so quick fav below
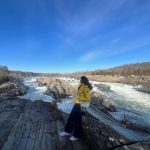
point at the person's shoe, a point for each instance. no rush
(64, 133)
(72, 138)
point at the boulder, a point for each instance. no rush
(26, 125)
(135, 146)
(45, 81)
(11, 89)
(102, 87)
(19, 83)
(144, 88)
(57, 88)
(101, 102)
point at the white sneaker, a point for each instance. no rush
(64, 133)
(72, 138)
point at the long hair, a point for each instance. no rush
(85, 80)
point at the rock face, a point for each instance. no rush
(102, 136)
(100, 101)
(135, 146)
(130, 79)
(26, 125)
(12, 88)
(36, 125)
(102, 86)
(145, 88)
(57, 88)
(19, 84)
(99, 135)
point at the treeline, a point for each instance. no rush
(130, 69)
(4, 73)
(31, 74)
(137, 69)
(123, 72)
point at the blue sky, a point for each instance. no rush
(73, 35)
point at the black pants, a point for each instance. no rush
(74, 122)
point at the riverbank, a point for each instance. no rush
(35, 122)
(142, 83)
(27, 125)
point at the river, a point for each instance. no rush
(133, 104)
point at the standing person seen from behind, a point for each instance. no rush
(74, 122)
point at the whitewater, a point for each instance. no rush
(132, 104)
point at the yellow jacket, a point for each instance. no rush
(83, 94)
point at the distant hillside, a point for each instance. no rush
(141, 66)
(3, 74)
(129, 69)
(30, 74)
(124, 70)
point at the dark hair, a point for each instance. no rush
(85, 80)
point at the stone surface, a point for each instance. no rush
(11, 89)
(102, 87)
(135, 146)
(20, 86)
(26, 125)
(142, 80)
(57, 88)
(145, 88)
(102, 132)
(101, 102)
(98, 134)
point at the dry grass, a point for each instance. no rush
(3, 75)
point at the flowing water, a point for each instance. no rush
(132, 104)
(36, 92)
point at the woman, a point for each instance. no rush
(74, 123)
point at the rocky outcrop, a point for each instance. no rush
(144, 88)
(36, 125)
(130, 79)
(12, 88)
(60, 89)
(102, 132)
(100, 101)
(26, 125)
(57, 88)
(102, 87)
(135, 146)
(19, 84)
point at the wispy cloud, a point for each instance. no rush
(116, 40)
(89, 56)
(87, 16)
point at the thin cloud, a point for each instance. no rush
(116, 40)
(88, 56)
(88, 16)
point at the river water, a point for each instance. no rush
(133, 104)
(36, 92)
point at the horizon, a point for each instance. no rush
(75, 71)
(60, 36)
